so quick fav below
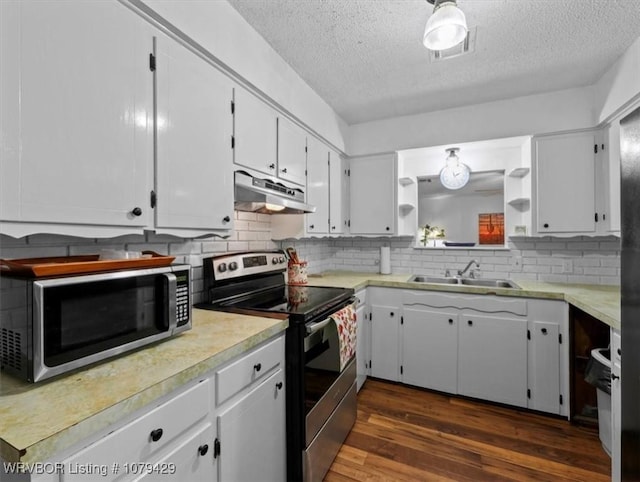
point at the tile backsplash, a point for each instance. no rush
(592, 260)
(252, 232)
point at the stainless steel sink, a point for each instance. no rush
(485, 282)
(493, 283)
(433, 279)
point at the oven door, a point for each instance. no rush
(326, 379)
(84, 319)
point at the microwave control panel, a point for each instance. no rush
(182, 298)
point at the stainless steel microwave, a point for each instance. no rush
(51, 326)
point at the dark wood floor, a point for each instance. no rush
(408, 434)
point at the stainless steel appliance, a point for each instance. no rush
(630, 291)
(320, 397)
(51, 326)
(268, 196)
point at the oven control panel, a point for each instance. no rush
(237, 265)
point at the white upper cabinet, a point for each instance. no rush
(565, 183)
(338, 193)
(77, 114)
(372, 194)
(611, 168)
(194, 162)
(317, 186)
(255, 133)
(292, 152)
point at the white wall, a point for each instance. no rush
(535, 114)
(217, 27)
(619, 85)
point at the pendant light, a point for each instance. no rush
(455, 174)
(446, 27)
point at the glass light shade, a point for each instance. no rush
(446, 27)
(453, 161)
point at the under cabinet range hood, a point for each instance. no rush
(266, 196)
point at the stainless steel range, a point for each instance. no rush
(320, 395)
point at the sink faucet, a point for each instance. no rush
(466, 268)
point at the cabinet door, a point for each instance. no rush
(430, 349)
(544, 378)
(492, 358)
(79, 104)
(385, 322)
(191, 459)
(194, 170)
(252, 434)
(372, 195)
(616, 405)
(292, 152)
(318, 186)
(565, 183)
(612, 177)
(362, 345)
(255, 133)
(338, 192)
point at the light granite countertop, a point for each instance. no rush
(39, 420)
(600, 301)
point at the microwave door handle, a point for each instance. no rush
(315, 327)
(171, 294)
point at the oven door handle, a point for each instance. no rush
(315, 327)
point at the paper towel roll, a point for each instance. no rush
(385, 260)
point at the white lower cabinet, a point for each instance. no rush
(499, 348)
(252, 434)
(363, 340)
(385, 306)
(492, 358)
(148, 442)
(430, 349)
(616, 404)
(226, 426)
(190, 460)
(251, 443)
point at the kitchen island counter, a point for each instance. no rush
(40, 420)
(600, 301)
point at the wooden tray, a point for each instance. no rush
(67, 265)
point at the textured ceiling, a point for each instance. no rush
(365, 57)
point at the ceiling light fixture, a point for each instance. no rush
(455, 174)
(446, 27)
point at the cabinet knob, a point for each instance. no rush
(284, 170)
(203, 449)
(136, 211)
(387, 228)
(545, 225)
(279, 385)
(614, 376)
(391, 314)
(156, 434)
(311, 226)
(451, 321)
(469, 322)
(257, 367)
(272, 166)
(544, 331)
(333, 228)
(619, 351)
(226, 219)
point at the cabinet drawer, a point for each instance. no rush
(251, 367)
(134, 442)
